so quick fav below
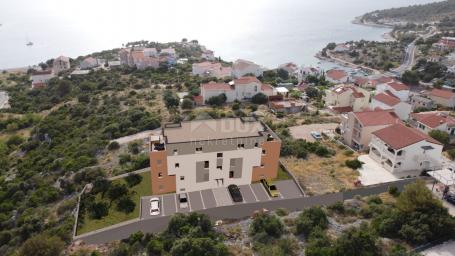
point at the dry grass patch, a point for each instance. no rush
(320, 175)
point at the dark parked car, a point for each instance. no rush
(235, 193)
(450, 198)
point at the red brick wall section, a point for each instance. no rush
(165, 183)
(270, 160)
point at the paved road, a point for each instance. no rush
(234, 211)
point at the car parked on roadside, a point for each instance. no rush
(155, 208)
(450, 198)
(316, 135)
(270, 188)
(234, 190)
(183, 199)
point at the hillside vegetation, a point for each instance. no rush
(415, 13)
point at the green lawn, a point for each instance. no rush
(114, 217)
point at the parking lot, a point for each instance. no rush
(304, 131)
(211, 198)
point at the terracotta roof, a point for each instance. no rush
(344, 88)
(433, 119)
(387, 99)
(397, 86)
(442, 93)
(199, 100)
(216, 86)
(341, 110)
(243, 64)
(286, 104)
(266, 87)
(384, 80)
(399, 136)
(42, 72)
(246, 80)
(377, 117)
(336, 74)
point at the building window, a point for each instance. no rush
(182, 189)
(255, 88)
(161, 187)
(231, 174)
(219, 154)
(206, 164)
(240, 145)
(176, 151)
(256, 144)
(177, 165)
(264, 152)
(182, 177)
(160, 175)
(219, 167)
(199, 149)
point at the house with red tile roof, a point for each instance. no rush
(287, 106)
(401, 149)
(290, 67)
(442, 97)
(337, 76)
(364, 82)
(357, 127)
(389, 101)
(347, 95)
(40, 78)
(395, 88)
(434, 120)
(208, 55)
(60, 64)
(89, 63)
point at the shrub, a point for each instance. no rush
(268, 224)
(125, 204)
(259, 98)
(187, 104)
(98, 210)
(133, 179)
(236, 106)
(310, 219)
(353, 164)
(394, 191)
(113, 146)
(337, 207)
(282, 212)
(440, 136)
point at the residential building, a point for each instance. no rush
(244, 67)
(150, 52)
(169, 51)
(60, 64)
(208, 55)
(364, 82)
(395, 88)
(420, 102)
(303, 73)
(211, 69)
(341, 48)
(206, 154)
(291, 68)
(240, 89)
(89, 63)
(435, 120)
(401, 149)
(40, 78)
(347, 95)
(337, 76)
(446, 43)
(357, 127)
(442, 97)
(390, 101)
(287, 106)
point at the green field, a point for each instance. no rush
(114, 217)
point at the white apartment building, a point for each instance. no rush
(243, 67)
(401, 149)
(206, 154)
(347, 96)
(436, 120)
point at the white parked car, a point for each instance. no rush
(183, 199)
(155, 206)
(316, 135)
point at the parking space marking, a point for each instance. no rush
(248, 196)
(216, 201)
(254, 194)
(175, 201)
(267, 193)
(260, 193)
(196, 200)
(208, 198)
(189, 202)
(202, 200)
(162, 206)
(222, 196)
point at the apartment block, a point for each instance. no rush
(204, 154)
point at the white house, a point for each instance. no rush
(435, 120)
(389, 101)
(397, 89)
(60, 64)
(347, 96)
(303, 73)
(168, 51)
(291, 68)
(208, 55)
(150, 52)
(244, 67)
(40, 78)
(240, 89)
(341, 48)
(337, 76)
(444, 98)
(211, 69)
(401, 149)
(89, 63)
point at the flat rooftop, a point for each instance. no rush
(212, 129)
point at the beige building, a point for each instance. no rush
(357, 127)
(206, 154)
(60, 64)
(347, 95)
(444, 98)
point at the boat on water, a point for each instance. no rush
(30, 43)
